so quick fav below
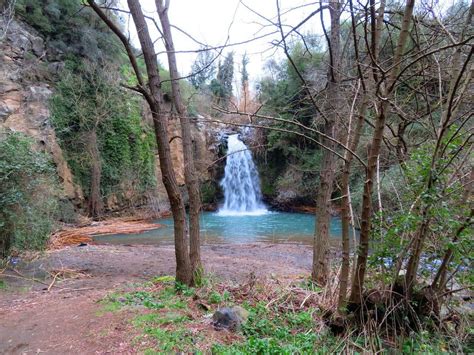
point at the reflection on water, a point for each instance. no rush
(276, 227)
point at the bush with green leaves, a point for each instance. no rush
(89, 101)
(281, 93)
(446, 204)
(70, 28)
(28, 194)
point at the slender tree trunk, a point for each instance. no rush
(245, 89)
(160, 122)
(345, 207)
(386, 89)
(459, 69)
(190, 175)
(374, 150)
(439, 281)
(95, 199)
(321, 239)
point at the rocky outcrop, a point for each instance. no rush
(24, 95)
(28, 69)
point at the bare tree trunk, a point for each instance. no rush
(386, 89)
(345, 206)
(459, 70)
(95, 199)
(151, 91)
(245, 89)
(439, 281)
(352, 142)
(160, 121)
(321, 239)
(190, 175)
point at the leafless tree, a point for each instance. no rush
(151, 91)
(191, 178)
(327, 172)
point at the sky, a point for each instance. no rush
(217, 22)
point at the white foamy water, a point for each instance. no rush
(241, 184)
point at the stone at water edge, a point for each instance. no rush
(229, 318)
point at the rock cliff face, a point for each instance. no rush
(28, 69)
(25, 74)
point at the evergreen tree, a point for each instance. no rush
(202, 69)
(245, 83)
(245, 74)
(221, 87)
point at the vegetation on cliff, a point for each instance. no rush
(28, 194)
(99, 125)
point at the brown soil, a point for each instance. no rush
(68, 317)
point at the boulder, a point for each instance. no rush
(37, 46)
(229, 318)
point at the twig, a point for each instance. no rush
(21, 276)
(54, 280)
(304, 301)
(68, 289)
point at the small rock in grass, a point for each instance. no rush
(229, 318)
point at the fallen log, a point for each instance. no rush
(78, 235)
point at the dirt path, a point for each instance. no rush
(69, 319)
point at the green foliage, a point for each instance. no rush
(209, 192)
(268, 331)
(165, 278)
(70, 27)
(221, 87)
(89, 99)
(425, 343)
(281, 93)
(444, 200)
(168, 341)
(245, 73)
(203, 69)
(28, 194)
(215, 297)
(167, 302)
(168, 317)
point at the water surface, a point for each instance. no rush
(275, 227)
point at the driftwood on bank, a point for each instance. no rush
(77, 235)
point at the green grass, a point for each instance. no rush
(167, 317)
(166, 323)
(3, 285)
(271, 331)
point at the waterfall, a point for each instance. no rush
(241, 184)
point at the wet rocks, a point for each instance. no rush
(229, 318)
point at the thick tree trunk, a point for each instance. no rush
(190, 175)
(95, 199)
(160, 122)
(321, 238)
(323, 215)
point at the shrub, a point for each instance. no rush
(28, 194)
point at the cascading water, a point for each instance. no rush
(241, 184)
